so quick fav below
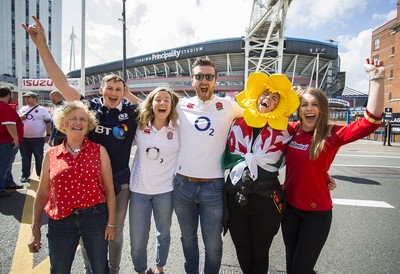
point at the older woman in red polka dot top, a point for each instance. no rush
(76, 192)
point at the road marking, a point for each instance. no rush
(347, 165)
(23, 259)
(367, 156)
(366, 203)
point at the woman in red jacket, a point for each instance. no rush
(308, 215)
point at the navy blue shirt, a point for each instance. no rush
(115, 131)
(56, 135)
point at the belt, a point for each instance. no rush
(77, 211)
(195, 180)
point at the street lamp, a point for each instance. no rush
(317, 51)
(124, 41)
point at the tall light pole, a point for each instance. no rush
(83, 34)
(317, 51)
(124, 41)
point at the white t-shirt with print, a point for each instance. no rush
(155, 161)
(204, 129)
(35, 122)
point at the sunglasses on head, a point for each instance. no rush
(199, 77)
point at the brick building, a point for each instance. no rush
(386, 46)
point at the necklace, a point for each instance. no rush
(75, 151)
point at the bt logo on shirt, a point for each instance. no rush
(117, 131)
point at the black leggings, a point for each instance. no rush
(304, 234)
(252, 228)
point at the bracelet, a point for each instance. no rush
(376, 77)
(33, 226)
(110, 225)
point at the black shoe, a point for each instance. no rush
(150, 271)
(14, 187)
(24, 180)
(4, 194)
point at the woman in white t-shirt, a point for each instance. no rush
(157, 139)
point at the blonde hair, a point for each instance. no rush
(61, 114)
(146, 113)
(323, 126)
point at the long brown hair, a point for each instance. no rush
(146, 113)
(323, 126)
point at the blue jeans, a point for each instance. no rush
(140, 208)
(115, 246)
(204, 200)
(28, 147)
(63, 236)
(7, 152)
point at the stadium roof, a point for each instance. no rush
(218, 50)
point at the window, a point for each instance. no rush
(376, 43)
(392, 54)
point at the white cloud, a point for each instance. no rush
(154, 26)
(159, 25)
(353, 51)
(186, 22)
(385, 17)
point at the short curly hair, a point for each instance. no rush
(62, 113)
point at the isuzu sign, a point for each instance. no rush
(46, 84)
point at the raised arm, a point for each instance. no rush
(131, 97)
(37, 34)
(376, 72)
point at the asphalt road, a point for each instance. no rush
(364, 237)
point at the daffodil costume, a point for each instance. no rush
(267, 150)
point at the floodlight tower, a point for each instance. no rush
(72, 37)
(265, 36)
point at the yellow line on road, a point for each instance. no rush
(23, 259)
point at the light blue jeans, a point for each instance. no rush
(140, 208)
(204, 200)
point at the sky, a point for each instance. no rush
(157, 25)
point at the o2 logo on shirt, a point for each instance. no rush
(119, 131)
(203, 124)
(29, 117)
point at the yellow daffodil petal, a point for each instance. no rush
(254, 119)
(259, 82)
(280, 123)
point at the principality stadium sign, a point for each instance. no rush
(45, 84)
(167, 55)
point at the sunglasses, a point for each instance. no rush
(199, 77)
